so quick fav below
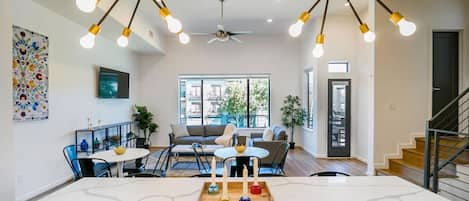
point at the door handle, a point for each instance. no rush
(436, 89)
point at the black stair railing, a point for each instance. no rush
(451, 121)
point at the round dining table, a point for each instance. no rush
(111, 157)
(241, 158)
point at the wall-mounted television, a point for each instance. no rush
(113, 84)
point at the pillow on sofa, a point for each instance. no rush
(227, 137)
(179, 130)
(268, 135)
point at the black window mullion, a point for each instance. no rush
(202, 101)
(248, 109)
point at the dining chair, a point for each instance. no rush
(237, 163)
(160, 168)
(87, 167)
(271, 175)
(202, 160)
(329, 174)
(137, 165)
(70, 154)
(275, 162)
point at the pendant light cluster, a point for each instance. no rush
(406, 28)
(88, 6)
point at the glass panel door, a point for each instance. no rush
(339, 118)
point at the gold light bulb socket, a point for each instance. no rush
(396, 17)
(126, 32)
(320, 39)
(94, 29)
(304, 17)
(164, 12)
(364, 28)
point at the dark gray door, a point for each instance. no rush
(445, 78)
(339, 118)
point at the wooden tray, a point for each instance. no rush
(235, 190)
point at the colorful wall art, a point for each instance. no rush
(30, 75)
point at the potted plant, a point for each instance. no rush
(292, 115)
(144, 120)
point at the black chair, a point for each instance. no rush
(275, 162)
(87, 167)
(160, 168)
(203, 163)
(271, 175)
(237, 163)
(329, 174)
(137, 166)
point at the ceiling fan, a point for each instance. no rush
(221, 34)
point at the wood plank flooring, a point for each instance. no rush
(300, 163)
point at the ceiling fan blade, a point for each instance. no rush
(212, 40)
(236, 39)
(201, 34)
(234, 33)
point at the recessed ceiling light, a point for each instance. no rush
(347, 4)
(270, 20)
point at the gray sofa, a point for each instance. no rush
(279, 134)
(198, 134)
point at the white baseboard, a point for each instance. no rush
(398, 153)
(44, 189)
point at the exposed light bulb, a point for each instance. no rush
(86, 6)
(296, 29)
(123, 41)
(318, 50)
(87, 41)
(184, 38)
(174, 25)
(369, 36)
(406, 28)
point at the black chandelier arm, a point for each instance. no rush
(385, 6)
(314, 6)
(163, 3)
(133, 14)
(355, 12)
(107, 12)
(157, 4)
(324, 17)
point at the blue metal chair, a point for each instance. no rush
(70, 154)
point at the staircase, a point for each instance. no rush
(439, 161)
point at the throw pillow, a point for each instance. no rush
(229, 130)
(268, 135)
(179, 130)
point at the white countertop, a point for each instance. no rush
(282, 189)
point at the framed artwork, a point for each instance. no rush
(30, 75)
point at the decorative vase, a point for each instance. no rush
(84, 145)
(96, 143)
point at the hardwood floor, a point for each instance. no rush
(300, 163)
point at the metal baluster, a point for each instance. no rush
(436, 162)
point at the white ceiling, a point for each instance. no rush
(242, 15)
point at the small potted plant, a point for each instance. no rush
(292, 115)
(144, 120)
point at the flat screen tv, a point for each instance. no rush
(113, 84)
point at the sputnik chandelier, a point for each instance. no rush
(406, 28)
(88, 6)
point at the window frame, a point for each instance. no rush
(347, 64)
(309, 104)
(202, 78)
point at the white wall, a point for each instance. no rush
(403, 70)
(343, 42)
(158, 78)
(72, 92)
(7, 154)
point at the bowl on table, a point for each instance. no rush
(240, 148)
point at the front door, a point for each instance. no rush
(445, 78)
(339, 118)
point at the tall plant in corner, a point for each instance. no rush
(144, 120)
(292, 115)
